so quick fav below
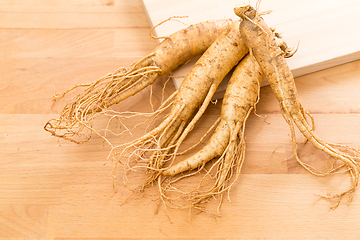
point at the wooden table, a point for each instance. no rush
(56, 189)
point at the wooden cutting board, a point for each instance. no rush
(326, 31)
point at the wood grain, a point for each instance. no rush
(51, 189)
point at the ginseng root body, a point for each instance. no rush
(75, 120)
(263, 46)
(225, 150)
(226, 147)
(192, 99)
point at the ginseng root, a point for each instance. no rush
(227, 144)
(192, 99)
(75, 120)
(263, 46)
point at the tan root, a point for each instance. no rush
(75, 122)
(264, 47)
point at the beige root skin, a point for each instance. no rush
(75, 121)
(236, 104)
(193, 97)
(219, 140)
(226, 146)
(262, 44)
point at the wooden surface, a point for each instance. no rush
(303, 23)
(58, 190)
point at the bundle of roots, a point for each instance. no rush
(248, 50)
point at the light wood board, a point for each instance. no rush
(51, 189)
(325, 31)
